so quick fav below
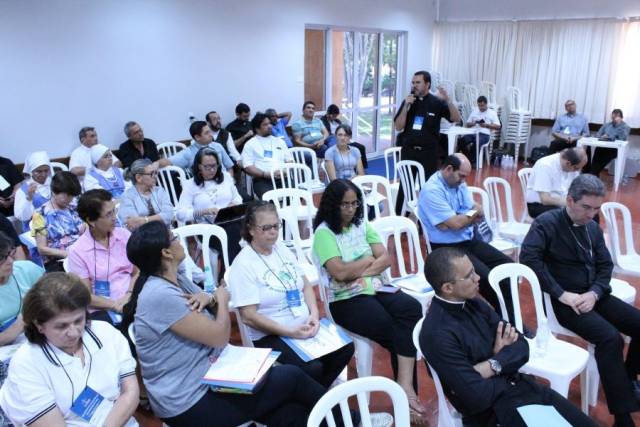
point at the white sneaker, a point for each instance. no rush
(380, 419)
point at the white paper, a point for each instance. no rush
(327, 340)
(3, 183)
(542, 416)
(413, 282)
(237, 364)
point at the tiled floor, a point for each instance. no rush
(627, 195)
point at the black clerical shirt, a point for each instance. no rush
(566, 257)
(456, 336)
(422, 127)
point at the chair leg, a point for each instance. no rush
(584, 391)
(560, 385)
(593, 377)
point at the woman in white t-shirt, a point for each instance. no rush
(275, 299)
(66, 361)
(210, 190)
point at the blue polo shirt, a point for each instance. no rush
(280, 130)
(184, 158)
(571, 124)
(437, 203)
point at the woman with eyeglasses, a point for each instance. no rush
(34, 191)
(354, 260)
(103, 174)
(210, 190)
(99, 257)
(274, 297)
(66, 360)
(178, 330)
(56, 224)
(144, 201)
(342, 160)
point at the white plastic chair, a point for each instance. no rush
(503, 245)
(359, 387)
(621, 290)
(293, 175)
(369, 185)
(523, 175)
(412, 177)
(165, 180)
(203, 234)
(414, 284)
(447, 414)
(296, 201)
(626, 259)
(392, 156)
(298, 154)
(300, 247)
(58, 165)
(504, 219)
(562, 361)
(168, 149)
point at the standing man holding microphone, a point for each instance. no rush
(418, 121)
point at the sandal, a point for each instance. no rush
(417, 411)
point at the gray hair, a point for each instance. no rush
(127, 128)
(83, 132)
(270, 112)
(137, 167)
(586, 185)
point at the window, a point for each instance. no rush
(360, 71)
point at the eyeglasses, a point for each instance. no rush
(269, 227)
(11, 253)
(111, 214)
(209, 167)
(154, 173)
(468, 276)
(346, 205)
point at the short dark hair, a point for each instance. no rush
(207, 116)
(571, 155)
(425, 75)
(438, 267)
(345, 127)
(83, 132)
(90, 204)
(257, 121)
(6, 243)
(329, 210)
(242, 108)
(308, 103)
(65, 182)
(249, 219)
(453, 161)
(586, 185)
(482, 99)
(196, 128)
(618, 112)
(197, 160)
(332, 109)
(51, 295)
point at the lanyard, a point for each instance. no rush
(86, 380)
(346, 164)
(293, 276)
(148, 202)
(19, 295)
(95, 260)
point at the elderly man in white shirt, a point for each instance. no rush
(550, 180)
(80, 161)
(486, 120)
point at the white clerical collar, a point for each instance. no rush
(449, 302)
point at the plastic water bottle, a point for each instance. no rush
(542, 339)
(503, 162)
(208, 280)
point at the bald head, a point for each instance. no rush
(573, 159)
(455, 169)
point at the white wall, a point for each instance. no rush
(494, 10)
(65, 64)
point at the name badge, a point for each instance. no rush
(92, 407)
(7, 324)
(315, 134)
(417, 122)
(102, 288)
(268, 154)
(567, 131)
(294, 302)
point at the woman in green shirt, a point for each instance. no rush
(353, 261)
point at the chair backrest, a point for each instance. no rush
(165, 180)
(245, 336)
(412, 178)
(293, 175)
(359, 387)
(369, 185)
(495, 186)
(203, 234)
(131, 333)
(399, 226)
(293, 202)
(300, 154)
(458, 92)
(523, 175)
(447, 417)
(513, 272)
(58, 165)
(483, 196)
(448, 86)
(611, 211)
(488, 89)
(470, 99)
(391, 159)
(168, 149)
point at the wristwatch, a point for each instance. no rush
(495, 366)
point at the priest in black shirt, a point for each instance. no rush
(418, 118)
(136, 146)
(475, 354)
(566, 249)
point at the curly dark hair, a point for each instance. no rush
(329, 210)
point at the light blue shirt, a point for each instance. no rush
(437, 203)
(184, 158)
(280, 130)
(309, 130)
(574, 125)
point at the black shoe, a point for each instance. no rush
(623, 420)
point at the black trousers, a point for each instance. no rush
(602, 326)
(387, 319)
(559, 145)
(324, 369)
(284, 400)
(261, 186)
(536, 209)
(427, 156)
(484, 257)
(600, 160)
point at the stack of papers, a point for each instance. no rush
(329, 338)
(413, 282)
(239, 369)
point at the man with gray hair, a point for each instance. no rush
(80, 161)
(566, 249)
(279, 124)
(136, 146)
